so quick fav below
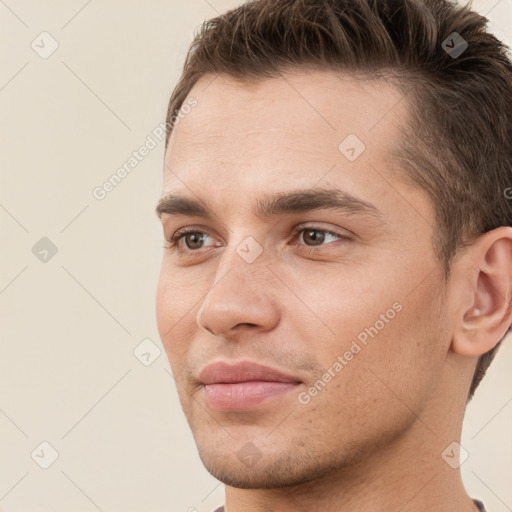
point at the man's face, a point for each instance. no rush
(351, 307)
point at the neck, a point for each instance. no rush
(407, 477)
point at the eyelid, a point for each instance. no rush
(180, 234)
(313, 226)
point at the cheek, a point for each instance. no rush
(173, 305)
(339, 302)
(378, 383)
(383, 322)
(164, 304)
(178, 292)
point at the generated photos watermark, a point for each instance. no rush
(357, 344)
(156, 136)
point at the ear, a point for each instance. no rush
(486, 312)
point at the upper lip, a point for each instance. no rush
(244, 371)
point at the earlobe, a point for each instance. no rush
(487, 318)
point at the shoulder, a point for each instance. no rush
(478, 503)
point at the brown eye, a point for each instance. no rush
(188, 240)
(316, 240)
(315, 236)
(193, 240)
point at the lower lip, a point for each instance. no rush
(243, 395)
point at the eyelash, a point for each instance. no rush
(173, 243)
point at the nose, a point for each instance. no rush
(241, 298)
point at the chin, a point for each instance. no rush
(270, 474)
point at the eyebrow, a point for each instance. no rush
(294, 201)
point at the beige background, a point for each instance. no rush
(69, 326)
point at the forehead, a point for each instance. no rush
(286, 132)
(308, 114)
(302, 101)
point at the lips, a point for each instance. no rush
(243, 385)
(244, 371)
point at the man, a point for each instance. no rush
(338, 266)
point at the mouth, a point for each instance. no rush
(241, 386)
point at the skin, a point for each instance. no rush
(373, 439)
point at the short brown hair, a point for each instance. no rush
(458, 145)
